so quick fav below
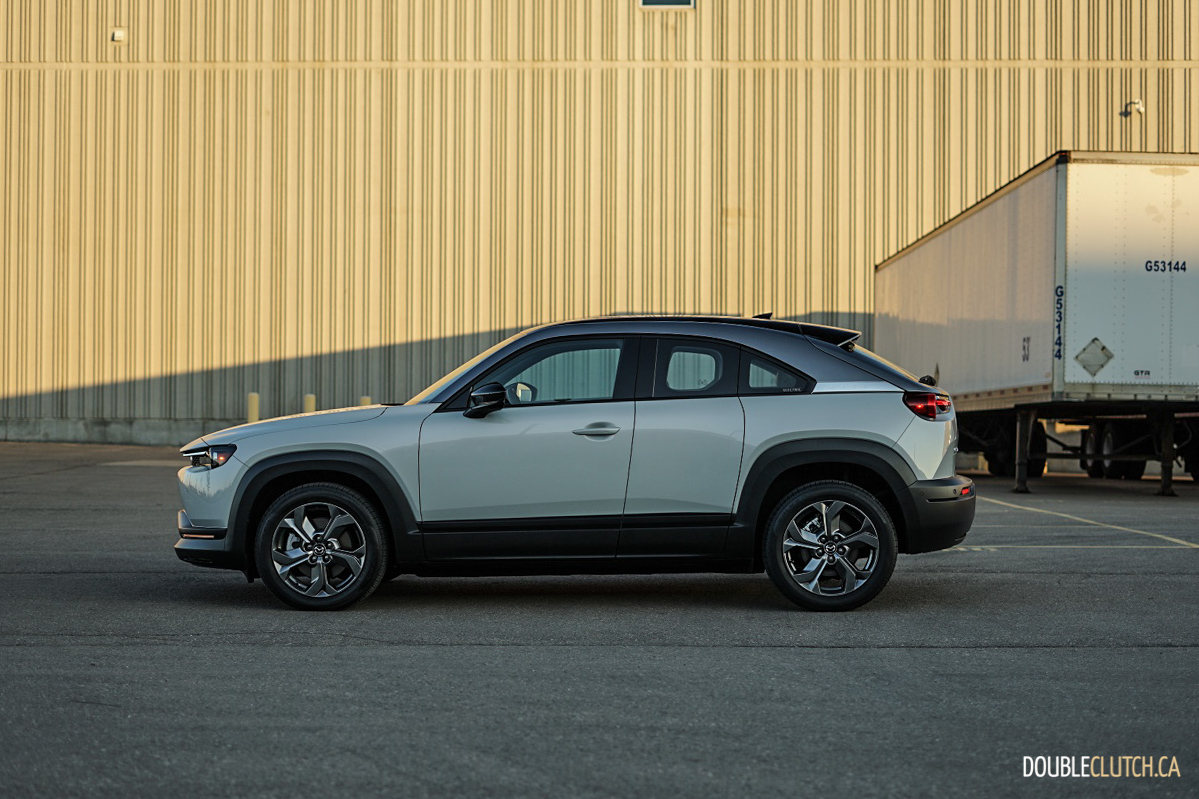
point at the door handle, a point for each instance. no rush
(597, 430)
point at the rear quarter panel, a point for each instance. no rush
(878, 416)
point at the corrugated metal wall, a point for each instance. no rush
(347, 198)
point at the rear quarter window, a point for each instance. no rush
(763, 375)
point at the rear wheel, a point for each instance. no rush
(321, 547)
(830, 546)
(1092, 446)
(1115, 436)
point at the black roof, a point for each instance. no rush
(833, 335)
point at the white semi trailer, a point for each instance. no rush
(1072, 293)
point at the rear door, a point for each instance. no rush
(686, 450)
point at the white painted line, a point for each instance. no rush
(989, 547)
(1028, 526)
(1172, 540)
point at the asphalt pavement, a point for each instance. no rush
(1065, 626)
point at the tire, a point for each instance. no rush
(1112, 469)
(1092, 444)
(310, 541)
(795, 533)
(1134, 470)
(1114, 437)
(1001, 462)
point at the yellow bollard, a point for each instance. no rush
(309, 403)
(364, 401)
(252, 407)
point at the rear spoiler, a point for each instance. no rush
(839, 336)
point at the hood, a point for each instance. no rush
(232, 435)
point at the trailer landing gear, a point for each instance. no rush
(1164, 424)
(1025, 419)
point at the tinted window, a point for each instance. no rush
(765, 376)
(866, 358)
(569, 371)
(694, 369)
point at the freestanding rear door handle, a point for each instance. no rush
(599, 429)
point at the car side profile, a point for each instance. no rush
(617, 445)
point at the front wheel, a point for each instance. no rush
(321, 547)
(830, 546)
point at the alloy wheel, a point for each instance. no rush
(318, 549)
(830, 548)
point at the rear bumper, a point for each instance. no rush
(205, 546)
(943, 513)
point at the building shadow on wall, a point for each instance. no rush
(176, 408)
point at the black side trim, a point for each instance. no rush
(652, 520)
(206, 552)
(406, 539)
(512, 525)
(878, 458)
(189, 530)
(516, 566)
(678, 535)
(532, 539)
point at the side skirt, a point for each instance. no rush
(515, 567)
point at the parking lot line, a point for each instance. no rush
(1050, 526)
(1178, 541)
(1066, 546)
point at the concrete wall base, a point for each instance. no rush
(158, 432)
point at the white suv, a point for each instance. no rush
(615, 445)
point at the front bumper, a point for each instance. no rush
(205, 546)
(943, 511)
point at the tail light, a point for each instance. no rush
(928, 405)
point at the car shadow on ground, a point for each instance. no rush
(663, 592)
(536, 591)
(522, 594)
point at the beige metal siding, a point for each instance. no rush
(347, 198)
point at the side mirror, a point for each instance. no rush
(928, 380)
(485, 399)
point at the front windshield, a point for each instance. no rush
(454, 375)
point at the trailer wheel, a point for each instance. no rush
(1092, 442)
(1115, 436)
(1134, 470)
(1001, 462)
(1112, 469)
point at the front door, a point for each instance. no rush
(544, 476)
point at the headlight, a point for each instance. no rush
(211, 457)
